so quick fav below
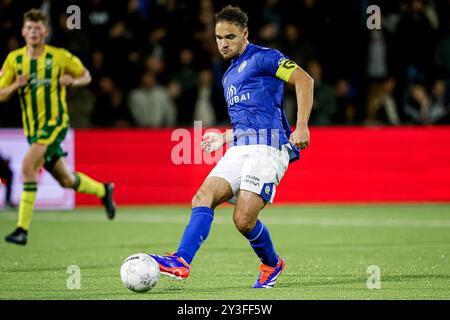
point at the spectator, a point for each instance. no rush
(155, 43)
(157, 65)
(415, 41)
(204, 109)
(312, 18)
(186, 79)
(424, 108)
(150, 104)
(80, 103)
(440, 104)
(346, 106)
(417, 107)
(123, 73)
(6, 177)
(271, 15)
(121, 38)
(100, 17)
(295, 47)
(98, 68)
(377, 66)
(268, 35)
(324, 105)
(442, 55)
(136, 24)
(110, 109)
(10, 23)
(381, 105)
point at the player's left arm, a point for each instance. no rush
(80, 81)
(304, 89)
(75, 74)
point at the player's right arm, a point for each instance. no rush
(213, 141)
(7, 92)
(9, 81)
(304, 88)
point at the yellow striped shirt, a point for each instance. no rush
(43, 99)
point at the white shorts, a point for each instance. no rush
(255, 168)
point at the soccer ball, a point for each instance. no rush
(139, 272)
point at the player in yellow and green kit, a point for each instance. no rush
(40, 74)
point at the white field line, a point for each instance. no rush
(278, 220)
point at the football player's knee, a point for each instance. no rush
(66, 182)
(28, 170)
(244, 224)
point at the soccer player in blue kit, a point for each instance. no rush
(262, 147)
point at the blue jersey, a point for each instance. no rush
(253, 90)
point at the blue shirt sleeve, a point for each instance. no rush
(270, 60)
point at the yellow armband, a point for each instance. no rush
(285, 70)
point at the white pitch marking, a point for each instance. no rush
(278, 220)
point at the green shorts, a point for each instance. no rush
(52, 137)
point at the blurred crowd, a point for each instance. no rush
(155, 63)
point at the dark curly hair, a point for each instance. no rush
(233, 15)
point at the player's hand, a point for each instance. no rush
(66, 80)
(21, 81)
(212, 141)
(300, 137)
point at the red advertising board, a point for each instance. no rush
(343, 164)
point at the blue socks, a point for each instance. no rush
(261, 243)
(198, 229)
(195, 233)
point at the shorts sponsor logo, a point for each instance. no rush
(252, 180)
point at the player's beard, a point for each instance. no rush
(228, 58)
(235, 55)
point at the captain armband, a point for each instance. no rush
(285, 69)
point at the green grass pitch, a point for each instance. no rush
(327, 250)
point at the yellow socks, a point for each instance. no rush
(85, 184)
(26, 206)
